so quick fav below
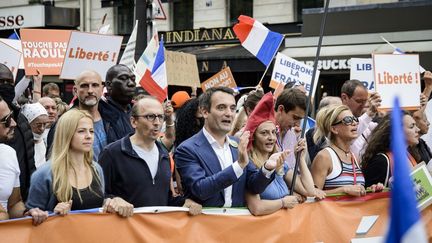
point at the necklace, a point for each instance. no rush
(346, 152)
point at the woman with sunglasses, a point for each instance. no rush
(71, 180)
(335, 168)
(377, 159)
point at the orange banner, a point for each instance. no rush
(325, 221)
(44, 50)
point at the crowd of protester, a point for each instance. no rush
(118, 151)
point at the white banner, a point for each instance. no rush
(10, 57)
(362, 70)
(287, 70)
(90, 51)
(16, 44)
(397, 75)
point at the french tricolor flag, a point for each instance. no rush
(156, 82)
(257, 39)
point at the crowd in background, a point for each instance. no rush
(118, 150)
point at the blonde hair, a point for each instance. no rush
(62, 107)
(61, 162)
(257, 159)
(326, 117)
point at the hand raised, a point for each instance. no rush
(276, 160)
(243, 157)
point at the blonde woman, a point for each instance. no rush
(335, 169)
(263, 153)
(71, 181)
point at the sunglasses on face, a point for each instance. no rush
(348, 120)
(7, 120)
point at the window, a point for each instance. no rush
(125, 17)
(183, 15)
(301, 4)
(240, 7)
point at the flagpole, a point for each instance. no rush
(308, 102)
(262, 77)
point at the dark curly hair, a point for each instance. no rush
(379, 140)
(186, 122)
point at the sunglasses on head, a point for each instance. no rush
(7, 120)
(348, 120)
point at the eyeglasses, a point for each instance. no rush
(152, 117)
(348, 120)
(7, 120)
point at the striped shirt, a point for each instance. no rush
(342, 173)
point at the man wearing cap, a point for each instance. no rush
(214, 168)
(37, 116)
(179, 98)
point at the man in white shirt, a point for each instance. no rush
(11, 204)
(214, 168)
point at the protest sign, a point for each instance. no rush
(10, 57)
(362, 70)
(90, 51)
(397, 75)
(423, 185)
(182, 69)
(287, 70)
(223, 78)
(16, 44)
(44, 50)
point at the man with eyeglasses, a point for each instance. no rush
(22, 142)
(137, 167)
(11, 204)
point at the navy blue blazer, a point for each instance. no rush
(203, 179)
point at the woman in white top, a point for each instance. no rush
(37, 117)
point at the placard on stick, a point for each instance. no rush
(287, 70)
(44, 50)
(362, 70)
(10, 57)
(223, 78)
(397, 75)
(90, 51)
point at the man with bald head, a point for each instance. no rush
(137, 167)
(88, 89)
(22, 142)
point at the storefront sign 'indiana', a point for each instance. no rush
(199, 36)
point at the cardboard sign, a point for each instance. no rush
(223, 78)
(44, 50)
(422, 185)
(90, 51)
(10, 57)
(287, 70)
(182, 69)
(16, 44)
(362, 70)
(397, 75)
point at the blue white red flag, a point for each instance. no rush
(155, 82)
(257, 39)
(405, 220)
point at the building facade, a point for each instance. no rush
(204, 28)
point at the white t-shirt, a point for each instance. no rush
(150, 157)
(9, 173)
